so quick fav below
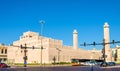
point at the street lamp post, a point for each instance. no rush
(41, 22)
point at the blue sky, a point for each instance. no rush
(61, 18)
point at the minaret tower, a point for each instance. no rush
(75, 39)
(107, 40)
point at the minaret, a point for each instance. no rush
(75, 39)
(107, 40)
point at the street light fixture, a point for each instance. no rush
(41, 23)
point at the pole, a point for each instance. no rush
(104, 64)
(58, 55)
(41, 55)
(41, 22)
(104, 50)
(92, 61)
(25, 56)
(92, 68)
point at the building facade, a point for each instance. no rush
(3, 53)
(52, 49)
(116, 53)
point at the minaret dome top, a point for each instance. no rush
(106, 25)
(75, 31)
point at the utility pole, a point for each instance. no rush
(25, 56)
(104, 54)
(41, 22)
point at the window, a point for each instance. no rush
(5, 51)
(30, 36)
(2, 51)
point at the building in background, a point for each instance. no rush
(3, 53)
(116, 53)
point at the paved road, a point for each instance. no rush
(63, 68)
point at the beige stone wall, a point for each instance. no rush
(51, 48)
(12, 55)
(67, 53)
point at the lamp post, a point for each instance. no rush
(41, 23)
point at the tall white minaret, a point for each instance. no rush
(108, 51)
(75, 39)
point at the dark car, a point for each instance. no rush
(111, 63)
(3, 65)
(104, 64)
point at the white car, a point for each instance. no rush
(89, 63)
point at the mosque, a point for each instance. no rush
(53, 49)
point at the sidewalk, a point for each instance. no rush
(51, 65)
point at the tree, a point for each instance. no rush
(54, 59)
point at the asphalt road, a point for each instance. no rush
(63, 68)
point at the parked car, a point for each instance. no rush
(111, 63)
(3, 65)
(104, 64)
(99, 63)
(90, 63)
